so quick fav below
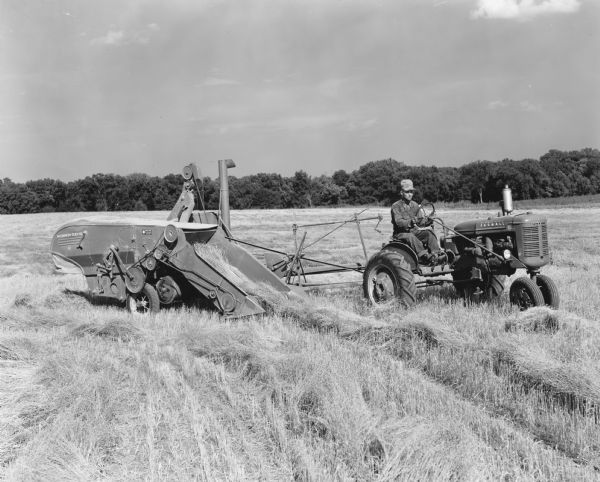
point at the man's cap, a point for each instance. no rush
(406, 185)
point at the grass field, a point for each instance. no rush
(327, 388)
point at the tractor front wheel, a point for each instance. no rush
(549, 290)
(388, 276)
(525, 293)
(144, 302)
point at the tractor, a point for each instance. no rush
(480, 255)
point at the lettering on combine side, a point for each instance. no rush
(69, 235)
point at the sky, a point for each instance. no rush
(148, 86)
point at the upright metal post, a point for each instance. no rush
(224, 164)
(362, 241)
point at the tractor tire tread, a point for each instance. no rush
(394, 262)
(532, 289)
(549, 290)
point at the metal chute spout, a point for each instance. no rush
(224, 273)
(245, 264)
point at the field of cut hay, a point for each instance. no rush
(324, 388)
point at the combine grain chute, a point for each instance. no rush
(149, 263)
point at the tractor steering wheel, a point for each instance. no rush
(428, 210)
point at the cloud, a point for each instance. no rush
(113, 37)
(497, 104)
(116, 37)
(527, 106)
(290, 124)
(522, 9)
(218, 81)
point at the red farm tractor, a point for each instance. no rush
(480, 255)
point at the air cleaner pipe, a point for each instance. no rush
(224, 164)
(507, 200)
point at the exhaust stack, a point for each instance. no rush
(507, 200)
(224, 164)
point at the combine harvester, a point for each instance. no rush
(193, 257)
(147, 263)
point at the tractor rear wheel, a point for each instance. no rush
(525, 293)
(144, 302)
(549, 290)
(388, 276)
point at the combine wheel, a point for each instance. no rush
(525, 293)
(146, 301)
(388, 276)
(549, 290)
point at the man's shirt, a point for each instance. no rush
(402, 214)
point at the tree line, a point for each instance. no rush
(555, 174)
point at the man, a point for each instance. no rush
(412, 226)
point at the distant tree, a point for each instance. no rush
(170, 189)
(340, 178)
(81, 195)
(474, 177)
(526, 178)
(301, 187)
(50, 194)
(325, 192)
(139, 205)
(434, 184)
(17, 199)
(260, 191)
(376, 182)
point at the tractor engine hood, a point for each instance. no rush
(497, 224)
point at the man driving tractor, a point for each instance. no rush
(413, 227)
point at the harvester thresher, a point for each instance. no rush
(148, 263)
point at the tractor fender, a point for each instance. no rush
(406, 251)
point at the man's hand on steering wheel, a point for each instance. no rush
(424, 222)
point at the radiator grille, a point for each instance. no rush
(535, 240)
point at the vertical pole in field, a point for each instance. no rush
(362, 241)
(224, 164)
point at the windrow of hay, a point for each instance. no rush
(442, 450)
(34, 318)
(8, 353)
(304, 386)
(20, 347)
(308, 313)
(114, 329)
(531, 367)
(55, 458)
(546, 320)
(239, 347)
(405, 331)
(67, 299)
